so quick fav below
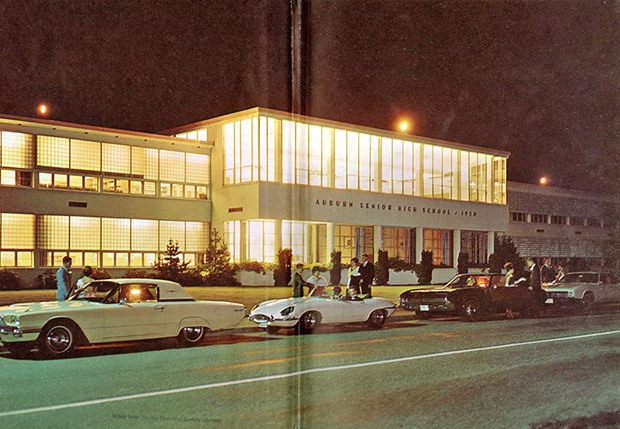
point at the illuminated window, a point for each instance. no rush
(76, 182)
(60, 180)
(165, 189)
(177, 190)
(352, 240)
(260, 239)
(499, 177)
(16, 150)
(53, 232)
(197, 234)
(201, 192)
(144, 235)
(17, 231)
(115, 234)
(109, 185)
(170, 230)
(190, 191)
(115, 158)
(85, 155)
(45, 180)
(8, 177)
(149, 188)
(399, 243)
(53, 151)
(439, 241)
(267, 149)
(474, 243)
(198, 168)
(172, 166)
(135, 187)
(294, 238)
(145, 162)
(85, 233)
(122, 186)
(232, 238)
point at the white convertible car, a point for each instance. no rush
(306, 313)
(114, 310)
(584, 289)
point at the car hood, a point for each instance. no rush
(279, 304)
(428, 292)
(43, 307)
(563, 286)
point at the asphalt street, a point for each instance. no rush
(440, 373)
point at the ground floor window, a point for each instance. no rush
(474, 243)
(399, 243)
(351, 240)
(439, 241)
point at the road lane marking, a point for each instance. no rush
(295, 374)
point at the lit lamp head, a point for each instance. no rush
(43, 109)
(543, 180)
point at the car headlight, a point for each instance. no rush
(288, 310)
(10, 319)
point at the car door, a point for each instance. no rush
(497, 293)
(134, 313)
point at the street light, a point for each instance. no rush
(42, 109)
(543, 180)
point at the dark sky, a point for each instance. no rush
(540, 79)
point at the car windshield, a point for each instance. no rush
(468, 280)
(96, 291)
(580, 278)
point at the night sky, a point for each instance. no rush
(540, 79)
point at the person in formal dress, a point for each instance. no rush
(367, 272)
(535, 286)
(353, 282)
(63, 279)
(298, 281)
(547, 273)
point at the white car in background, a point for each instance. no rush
(114, 310)
(584, 288)
(306, 313)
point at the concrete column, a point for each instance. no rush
(307, 256)
(419, 244)
(277, 239)
(314, 243)
(330, 241)
(243, 245)
(377, 241)
(456, 245)
(490, 243)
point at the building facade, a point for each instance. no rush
(269, 180)
(565, 225)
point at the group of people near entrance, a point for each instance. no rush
(537, 277)
(359, 283)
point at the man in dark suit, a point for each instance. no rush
(538, 295)
(367, 273)
(547, 273)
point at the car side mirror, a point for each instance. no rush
(122, 301)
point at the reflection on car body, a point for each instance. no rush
(114, 310)
(469, 296)
(584, 289)
(306, 313)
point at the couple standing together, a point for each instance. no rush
(361, 276)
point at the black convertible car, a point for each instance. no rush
(472, 295)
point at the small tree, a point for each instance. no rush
(335, 272)
(216, 269)
(382, 268)
(462, 264)
(46, 280)
(424, 270)
(505, 251)
(171, 267)
(282, 272)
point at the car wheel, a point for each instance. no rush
(57, 340)
(308, 322)
(586, 302)
(376, 320)
(470, 310)
(19, 349)
(191, 335)
(272, 329)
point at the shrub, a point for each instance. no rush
(382, 268)
(46, 280)
(216, 270)
(462, 264)
(192, 278)
(505, 251)
(335, 272)
(424, 270)
(101, 274)
(253, 266)
(171, 267)
(398, 264)
(9, 280)
(138, 273)
(282, 272)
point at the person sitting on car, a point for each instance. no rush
(337, 292)
(316, 282)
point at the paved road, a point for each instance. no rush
(433, 374)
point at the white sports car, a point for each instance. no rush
(114, 310)
(584, 289)
(306, 313)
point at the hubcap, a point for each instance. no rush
(192, 334)
(309, 321)
(59, 339)
(377, 317)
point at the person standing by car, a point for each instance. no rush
(298, 281)
(63, 279)
(561, 272)
(538, 295)
(547, 273)
(509, 281)
(367, 272)
(317, 282)
(353, 283)
(86, 278)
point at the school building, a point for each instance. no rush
(266, 180)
